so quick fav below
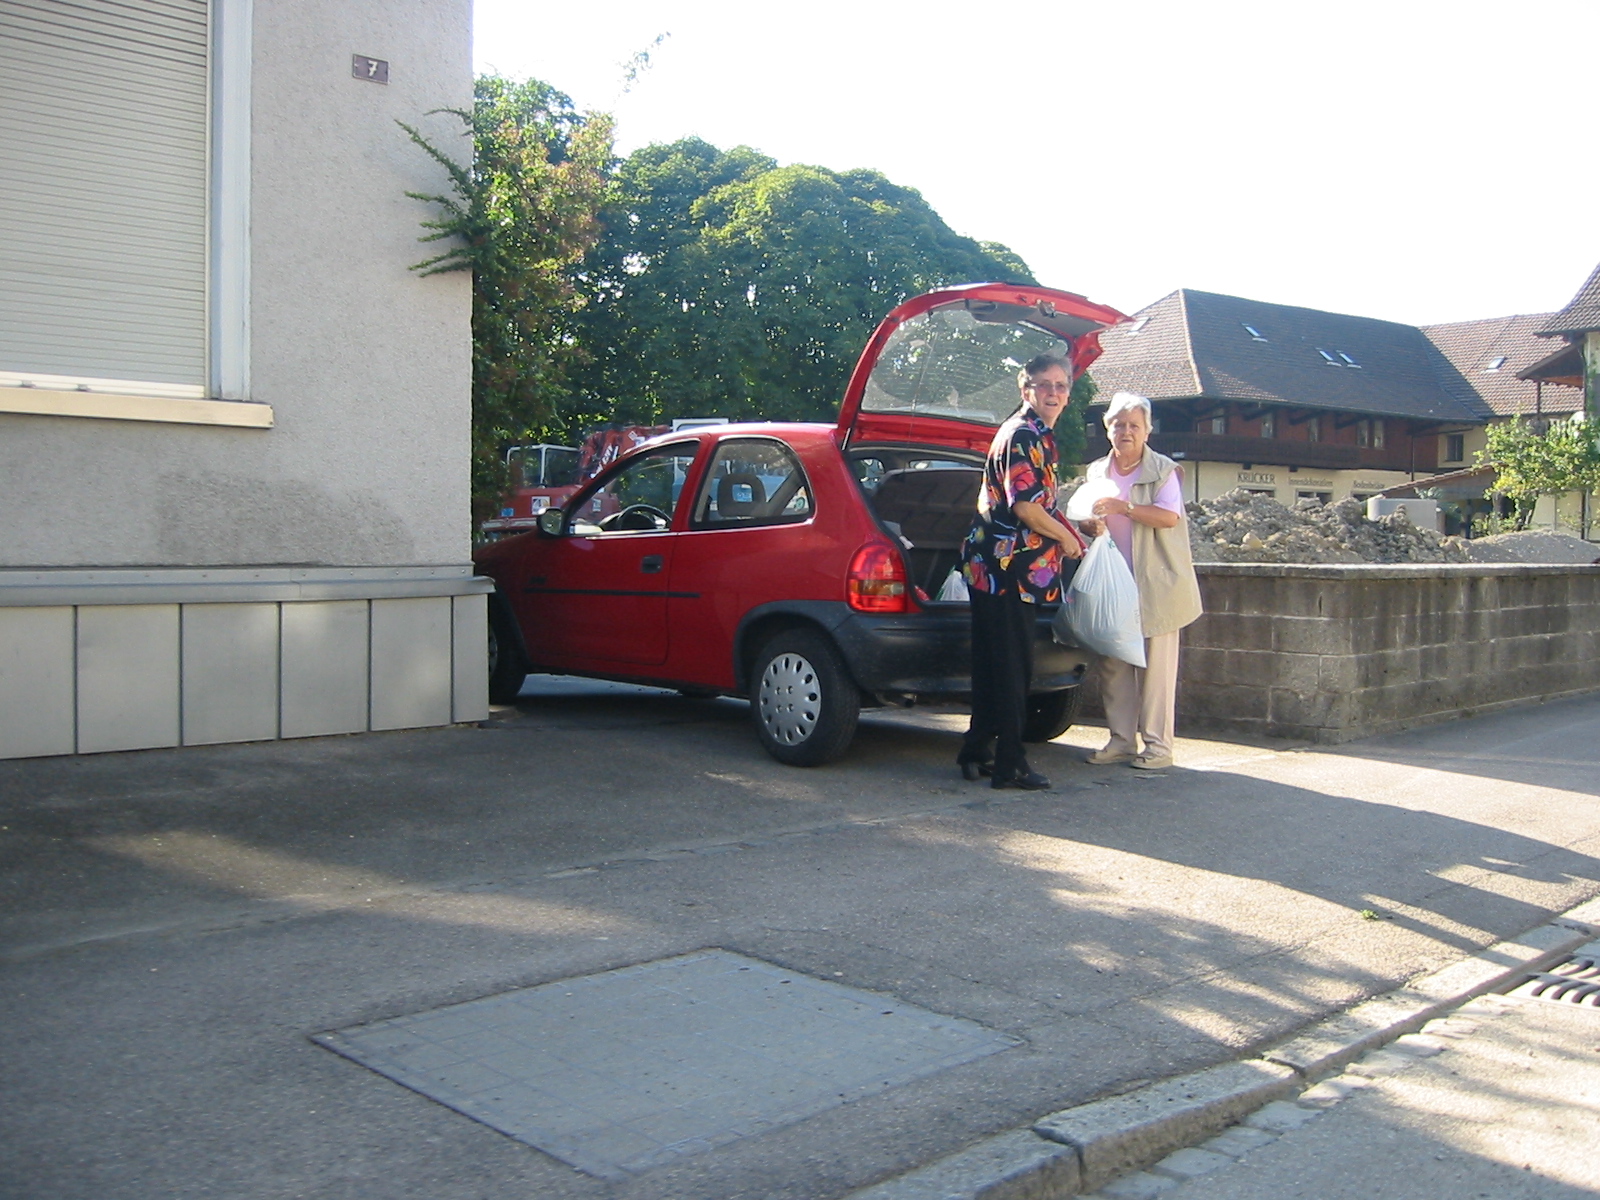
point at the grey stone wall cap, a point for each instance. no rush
(233, 585)
(1392, 570)
(1124, 1132)
(1011, 1166)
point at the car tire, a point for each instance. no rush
(507, 672)
(803, 701)
(1050, 714)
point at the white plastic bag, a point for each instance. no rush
(1080, 505)
(1101, 609)
(955, 587)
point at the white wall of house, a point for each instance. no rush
(188, 575)
(1207, 480)
(364, 364)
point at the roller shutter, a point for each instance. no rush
(103, 191)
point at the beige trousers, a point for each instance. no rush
(1142, 700)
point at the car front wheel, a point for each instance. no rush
(1050, 714)
(506, 673)
(803, 701)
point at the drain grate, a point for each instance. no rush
(1575, 981)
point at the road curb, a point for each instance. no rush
(1078, 1149)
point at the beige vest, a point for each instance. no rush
(1169, 594)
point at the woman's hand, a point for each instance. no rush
(1094, 527)
(1113, 506)
(1071, 547)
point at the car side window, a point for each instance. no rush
(752, 481)
(639, 498)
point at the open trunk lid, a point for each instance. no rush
(941, 369)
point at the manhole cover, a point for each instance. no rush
(623, 1071)
(1576, 981)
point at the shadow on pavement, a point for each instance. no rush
(176, 922)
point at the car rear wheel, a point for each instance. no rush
(506, 670)
(1050, 714)
(803, 701)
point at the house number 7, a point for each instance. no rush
(374, 70)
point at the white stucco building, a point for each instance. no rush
(233, 424)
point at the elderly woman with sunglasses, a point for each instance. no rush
(1146, 521)
(1013, 560)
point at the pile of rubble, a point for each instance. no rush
(1533, 546)
(1241, 526)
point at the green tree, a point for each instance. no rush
(729, 286)
(520, 216)
(1530, 461)
(1072, 434)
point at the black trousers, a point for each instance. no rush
(1002, 674)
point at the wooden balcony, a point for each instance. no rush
(1281, 452)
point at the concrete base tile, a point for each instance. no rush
(1418, 1045)
(1280, 1116)
(1190, 1162)
(1115, 1135)
(1013, 1166)
(1330, 1091)
(1384, 1062)
(1238, 1141)
(1141, 1185)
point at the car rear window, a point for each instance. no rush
(948, 363)
(752, 481)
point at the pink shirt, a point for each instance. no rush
(1170, 497)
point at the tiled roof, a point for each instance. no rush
(1581, 314)
(1149, 355)
(1199, 345)
(1490, 354)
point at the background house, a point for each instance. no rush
(1291, 402)
(1575, 362)
(233, 424)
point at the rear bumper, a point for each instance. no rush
(929, 653)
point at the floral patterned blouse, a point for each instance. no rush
(1000, 551)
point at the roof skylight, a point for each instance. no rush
(1138, 325)
(1255, 334)
(1348, 361)
(1496, 363)
(1328, 358)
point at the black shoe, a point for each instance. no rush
(973, 769)
(1027, 780)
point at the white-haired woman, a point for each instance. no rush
(1146, 521)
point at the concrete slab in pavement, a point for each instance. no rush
(174, 925)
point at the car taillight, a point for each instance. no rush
(877, 580)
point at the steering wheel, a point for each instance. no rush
(628, 518)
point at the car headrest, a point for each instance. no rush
(740, 496)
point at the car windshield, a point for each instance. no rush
(948, 363)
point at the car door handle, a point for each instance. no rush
(650, 564)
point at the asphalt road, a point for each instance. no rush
(175, 924)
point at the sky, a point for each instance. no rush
(1410, 160)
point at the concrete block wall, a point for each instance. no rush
(1331, 653)
(200, 657)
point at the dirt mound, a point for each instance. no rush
(1533, 546)
(1241, 526)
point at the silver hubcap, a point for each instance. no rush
(789, 699)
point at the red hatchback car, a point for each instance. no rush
(800, 565)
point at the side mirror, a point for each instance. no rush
(550, 522)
